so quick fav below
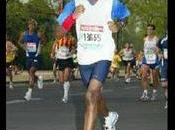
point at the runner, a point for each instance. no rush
(115, 65)
(62, 50)
(10, 56)
(30, 42)
(139, 59)
(127, 54)
(163, 46)
(95, 50)
(150, 61)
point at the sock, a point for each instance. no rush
(154, 90)
(11, 83)
(125, 77)
(30, 90)
(66, 88)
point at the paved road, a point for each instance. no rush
(46, 112)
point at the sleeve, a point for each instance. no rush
(119, 11)
(66, 13)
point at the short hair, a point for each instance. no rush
(152, 25)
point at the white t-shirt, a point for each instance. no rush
(127, 54)
(150, 45)
(63, 53)
(95, 40)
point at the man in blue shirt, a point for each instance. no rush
(30, 41)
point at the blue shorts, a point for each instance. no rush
(163, 71)
(32, 62)
(98, 70)
(152, 66)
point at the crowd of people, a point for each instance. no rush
(93, 54)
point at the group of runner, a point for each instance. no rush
(96, 54)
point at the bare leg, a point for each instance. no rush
(32, 77)
(54, 72)
(93, 104)
(144, 81)
(61, 77)
(155, 76)
(102, 107)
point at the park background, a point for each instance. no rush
(18, 12)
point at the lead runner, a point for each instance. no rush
(95, 20)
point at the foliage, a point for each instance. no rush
(46, 61)
(142, 13)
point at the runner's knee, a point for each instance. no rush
(92, 96)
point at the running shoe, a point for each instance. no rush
(166, 105)
(154, 95)
(40, 82)
(65, 99)
(110, 121)
(54, 81)
(28, 96)
(128, 80)
(144, 97)
(11, 86)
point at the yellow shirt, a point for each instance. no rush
(10, 57)
(10, 51)
(115, 61)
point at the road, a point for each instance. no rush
(46, 111)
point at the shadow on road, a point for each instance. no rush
(79, 104)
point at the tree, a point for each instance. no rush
(142, 13)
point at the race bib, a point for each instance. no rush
(62, 52)
(31, 47)
(91, 36)
(165, 53)
(150, 57)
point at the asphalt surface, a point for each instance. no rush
(46, 111)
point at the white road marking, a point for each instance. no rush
(22, 100)
(15, 101)
(131, 87)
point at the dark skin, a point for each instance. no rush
(95, 103)
(32, 77)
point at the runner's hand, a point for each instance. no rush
(52, 56)
(113, 26)
(160, 56)
(78, 11)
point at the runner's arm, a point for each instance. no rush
(39, 45)
(160, 52)
(66, 18)
(157, 50)
(38, 50)
(52, 54)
